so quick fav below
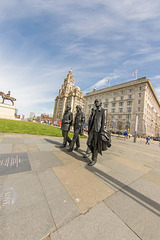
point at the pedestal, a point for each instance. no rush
(7, 111)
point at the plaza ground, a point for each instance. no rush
(49, 193)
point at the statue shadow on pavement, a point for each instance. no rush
(76, 154)
(138, 197)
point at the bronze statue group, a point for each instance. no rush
(99, 138)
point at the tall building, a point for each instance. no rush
(124, 102)
(68, 95)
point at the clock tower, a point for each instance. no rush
(68, 95)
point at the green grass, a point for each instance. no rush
(14, 126)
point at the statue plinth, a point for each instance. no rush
(7, 111)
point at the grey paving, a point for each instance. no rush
(44, 160)
(14, 163)
(25, 213)
(13, 140)
(5, 148)
(47, 147)
(98, 223)
(61, 206)
(138, 205)
(36, 205)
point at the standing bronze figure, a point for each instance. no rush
(78, 128)
(66, 124)
(99, 137)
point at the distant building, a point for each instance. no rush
(123, 102)
(68, 95)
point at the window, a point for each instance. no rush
(129, 96)
(121, 97)
(113, 104)
(89, 107)
(128, 117)
(139, 101)
(114, 99)
(119, 116)
(107, 95)
(129, 103)
(112, 116)
(114, 93)
(121, 104)
(122, 92)
(130, 90)
(129, 109)
(113, 110)
(106, 99)
(120, 110)
(140, 88)
(105, 105)
(139, 94)
(139, 109)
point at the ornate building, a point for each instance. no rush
(68, 95)
(124, 102)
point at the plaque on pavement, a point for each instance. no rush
(14, 163)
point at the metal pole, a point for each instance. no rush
(136, 126)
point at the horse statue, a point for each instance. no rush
(7, 97)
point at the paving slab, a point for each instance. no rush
(24, 148)
(112, 178)
(60, 203)
(98, 223)
(5, 148)
(121, 168)
(47, 147)
(13, 140)
(14, 163)
(138, 208)
(43, 160)
(82, 186)
(24, 213)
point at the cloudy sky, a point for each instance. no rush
(40, 40)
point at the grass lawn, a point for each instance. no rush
(15, 126)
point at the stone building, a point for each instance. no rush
(124, 102)
(68, 95)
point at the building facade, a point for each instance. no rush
(124, 102)
(68, 95)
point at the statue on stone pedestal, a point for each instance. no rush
(78, 128)
(7, 97)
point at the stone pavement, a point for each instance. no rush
(49, 193)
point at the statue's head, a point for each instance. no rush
(78, 108)
(68, 108)
(98, 102)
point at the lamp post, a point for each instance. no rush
(136, 126)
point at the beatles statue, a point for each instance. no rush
(78, 128)
(66, 124)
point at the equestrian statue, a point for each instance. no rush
(7, 97)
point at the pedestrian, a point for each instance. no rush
(147, 140)
(66, 124)
(78, 128)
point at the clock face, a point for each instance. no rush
(71, 83)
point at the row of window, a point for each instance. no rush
(128, 110)
(129, 103)
(121, 92)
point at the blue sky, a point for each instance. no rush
(40, 40)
